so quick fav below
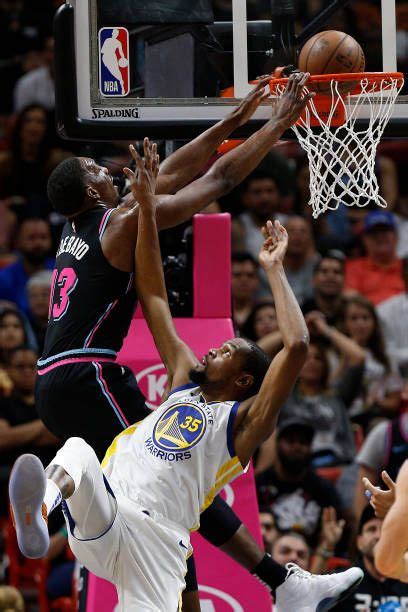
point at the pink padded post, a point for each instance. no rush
(212, 266)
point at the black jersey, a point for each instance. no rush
(91, 302)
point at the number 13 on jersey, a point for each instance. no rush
(62, 285)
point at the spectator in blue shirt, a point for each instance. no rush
(33, 248)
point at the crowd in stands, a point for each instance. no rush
(347, 417)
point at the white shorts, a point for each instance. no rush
(143, 555)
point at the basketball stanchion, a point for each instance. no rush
(340, 133)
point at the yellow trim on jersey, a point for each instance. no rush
(227, 472)
(112, 449)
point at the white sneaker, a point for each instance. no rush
(29, 514)
(306, 592)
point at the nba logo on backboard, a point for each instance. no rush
(114, 62)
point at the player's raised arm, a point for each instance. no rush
(176, 355)
(258, 419)
(183, 166)
(233, 167)
(391, 551)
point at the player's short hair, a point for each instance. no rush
(66, 187)
(256, 362)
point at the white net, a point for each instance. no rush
(342, 158)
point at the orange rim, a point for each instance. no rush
(373, 78)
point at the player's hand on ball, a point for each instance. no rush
(274, 247)
(380, 500)
(292, 103)
(143, 180)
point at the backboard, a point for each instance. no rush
(124, 71)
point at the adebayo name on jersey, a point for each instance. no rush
(73, 245)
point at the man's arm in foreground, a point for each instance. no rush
(391, 558)
(233, 167)
(119, 239)
(258, 417)
(187, 162)
(177, 357)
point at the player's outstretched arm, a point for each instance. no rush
(233, 167)
(176, 355)
(391, 556)
(183, 166)
(256, 419)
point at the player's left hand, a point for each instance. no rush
(250, 103)
(274, 247)
(143, 180)
(380, 500)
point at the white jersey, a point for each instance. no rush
(177, 459)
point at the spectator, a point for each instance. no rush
(38, 292)
(260, 200)
(384, 449)
(291, 547)
(20, 426)
(21, 431)
(261, 321)
(300, 258)
(380, 392)
(393, 315)
(268, 528)
(289, 488)
(328, 282)
(37, 86)
(244, 285)
(34, 244)
(12, 333)
(378, 276)
(324, 407)
(27, 164)
(375, 590)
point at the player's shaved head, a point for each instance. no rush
(66, 188)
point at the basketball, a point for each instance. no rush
(123, 62)
(331, 52)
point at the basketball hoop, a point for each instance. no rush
(340, 148)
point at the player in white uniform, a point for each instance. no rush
(130, 520)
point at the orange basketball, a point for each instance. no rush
(331, 52)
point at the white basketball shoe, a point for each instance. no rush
(306, 592)
(29, 514)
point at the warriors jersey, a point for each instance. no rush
(91, 303)
(177, 459)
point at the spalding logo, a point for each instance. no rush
(214, 600)
(152, 383)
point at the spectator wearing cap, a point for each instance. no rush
(375, 592)
(378, 276)
(244, 286)
(290, 489)
(328, 283)
(393, 315)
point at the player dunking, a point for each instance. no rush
(130, 523)
(79, 383)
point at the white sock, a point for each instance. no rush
(52, 497)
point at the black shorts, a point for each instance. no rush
(92, 400)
